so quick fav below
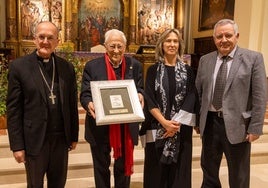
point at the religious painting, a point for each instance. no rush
(154, 17)
(211, 11)
(95, 18)
(34, 11)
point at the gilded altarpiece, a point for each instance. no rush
(82, 23)
(95, 18)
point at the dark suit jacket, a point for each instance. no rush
(95, 70)
(244, 98)
(27, 111)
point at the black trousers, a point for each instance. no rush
(214, 144)
(52, 161)
(151, 174)
(102, 161)
(159, 175)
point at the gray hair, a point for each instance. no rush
(225, 22)
(159, 52)
(112, 32)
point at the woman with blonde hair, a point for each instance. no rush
(171, 107)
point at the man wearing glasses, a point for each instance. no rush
(42, 114)
(121, 138)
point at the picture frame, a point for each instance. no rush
(116, 102)
(211, 11)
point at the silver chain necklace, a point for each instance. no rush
(51, 96)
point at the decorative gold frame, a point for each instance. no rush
(116, 101)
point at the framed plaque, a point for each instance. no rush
(116, 101)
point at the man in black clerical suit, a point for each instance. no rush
(42, 114)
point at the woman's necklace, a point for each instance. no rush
(51, 96)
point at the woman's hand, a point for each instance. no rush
(172, 127)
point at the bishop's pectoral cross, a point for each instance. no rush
(52, 97)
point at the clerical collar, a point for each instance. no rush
(43, 60)
(115, 66)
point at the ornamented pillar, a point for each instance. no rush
(74, 21)
(11, 40)
(11, 24)
(68, 24)
(133, 47)
(180, 15)
(132, 20)
(68, 20)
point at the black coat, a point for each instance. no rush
(95, 70)
(27, 112)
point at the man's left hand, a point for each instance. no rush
(72, 146)
(252, 137)
(141, 99)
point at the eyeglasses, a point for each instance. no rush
(43, 37)
(114, 46)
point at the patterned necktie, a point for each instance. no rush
(220, 84)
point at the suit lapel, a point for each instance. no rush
(210, 69)
(101, 69)
(233, 69)
(60, 72)
(212, 64)
(36, 76)
(129, 68)
(58, 64)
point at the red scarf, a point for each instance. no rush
(115, 131)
